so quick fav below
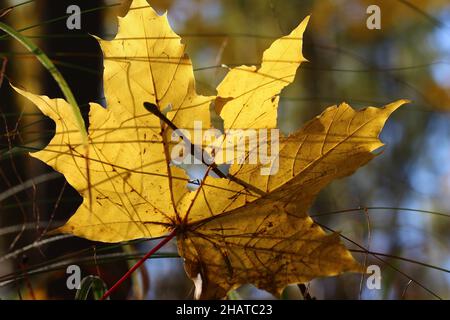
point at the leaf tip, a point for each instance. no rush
(55, 232)
(397, 104)
(307, 18)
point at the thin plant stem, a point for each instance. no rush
(139, 263)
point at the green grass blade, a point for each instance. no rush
(88, 284)
(48, 64)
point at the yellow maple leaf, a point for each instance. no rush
(248, 96)
(242, 228)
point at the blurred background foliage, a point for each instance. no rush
(408, 58)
